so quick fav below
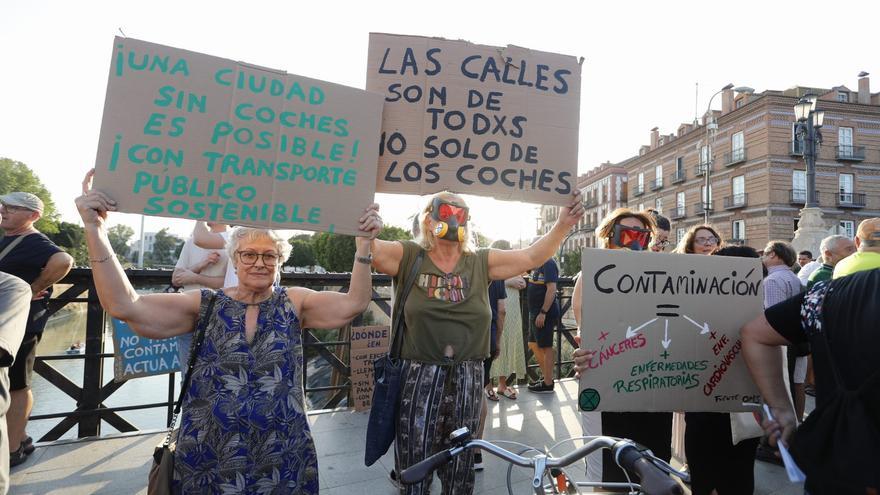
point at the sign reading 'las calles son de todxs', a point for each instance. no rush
(193, 136)
(664, 329)
(493, 121)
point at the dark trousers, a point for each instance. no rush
(651, 429)
(713, 460)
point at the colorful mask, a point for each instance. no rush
(451, 220)
(633, 238)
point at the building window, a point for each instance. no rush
(737, 146)
(843, 96)
(797, 141)
(740, 102)
(679, 201)
(641, 181)
(846, 229)
(679, 164)
(845, 142)
(679, 234)
(739, 186)
(658, 174)
(704, 155)
(798, 186)
(658, 205)
(641, 206)
(739, 229)
(707, 198)
(845, 182)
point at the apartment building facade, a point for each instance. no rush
(757, 173)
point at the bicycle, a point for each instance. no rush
(653, 473)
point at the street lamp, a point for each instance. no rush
(809, 121)
(712, 128)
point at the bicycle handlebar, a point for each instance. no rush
(653, 480)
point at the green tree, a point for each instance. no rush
(481, 240)
(71, 237)
(16, 176)
(334, 252)
(392, 233)
(119, 236)
(303, 253)
(166, 248)
(571, 263)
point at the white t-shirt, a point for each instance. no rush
(231, 279)
(807, 270)
(192, 255)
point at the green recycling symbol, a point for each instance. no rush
(589, 399)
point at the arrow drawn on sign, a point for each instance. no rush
(704, 328)
(666, 340)
(630, 332)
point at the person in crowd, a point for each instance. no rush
(198, 268)
(243, 427)
(699, 239)
(804, 257)
(715, 463)
(497, 295)
(511, 359)
(29, 255)
(216, 238)
(661, 240)
(867, 255)
(15, 298)
(834, 249)
(850, 309)
(621, 229)
(780, 284)
(544, 317)
(447, 323)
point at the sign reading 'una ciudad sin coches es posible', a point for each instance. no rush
(485, 120)
(665, 331)
(194, 136)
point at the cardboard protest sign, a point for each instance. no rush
(665, 331)
(477, 119)
(189, 135)
(136, 356)
(367, 344)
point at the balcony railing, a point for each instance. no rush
(850, 200)
(591, 202)
(657, 183)
(737, 241)
(699, 170)
(678, 176)
(701, 207)
(677, 213)
(799, 196)
(736, 201)
(639, 190)
(796, 147)
(851, 153)
(734, 157)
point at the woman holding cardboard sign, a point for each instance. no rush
(621, 229)
(447, 319)
(244, 428)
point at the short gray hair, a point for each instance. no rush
(240, 234)
(830, 242)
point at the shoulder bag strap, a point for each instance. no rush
(397, 318)
(12, 245)
(200, 337)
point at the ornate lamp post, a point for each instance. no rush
(811, 228)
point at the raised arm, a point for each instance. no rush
(506, 264)
(330, 309)
(205, 239)
(155, 316)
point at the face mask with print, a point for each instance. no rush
(451, 220)
(632, 238)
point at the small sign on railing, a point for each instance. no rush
(135, 356)
(367, 344)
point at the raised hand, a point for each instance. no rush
(570, 215)
(93, 205)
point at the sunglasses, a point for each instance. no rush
(630, 235)
(445, 211)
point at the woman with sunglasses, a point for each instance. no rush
(243, 428)
(621, 229)
(699, 239)
(447, 319)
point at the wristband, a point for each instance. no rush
(542, 312)
(367, 260)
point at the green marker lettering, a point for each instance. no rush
(120, 60)
(114, 155)
(219, 77)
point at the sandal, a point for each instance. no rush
(491, 395)
(509, 393)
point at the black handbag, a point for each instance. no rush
(387, 370)
(162, 470)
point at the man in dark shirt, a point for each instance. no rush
(32, 257)
(851, 311)
(543, 319)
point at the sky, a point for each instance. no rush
(643, 62)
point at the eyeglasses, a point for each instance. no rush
(663, 244)
(706, 241)
(446, 210)
(250, 257)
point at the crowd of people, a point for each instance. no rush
(244, 428)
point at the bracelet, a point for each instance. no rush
(367, 260)
(542, 312)
(106, 258)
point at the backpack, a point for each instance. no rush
(838, 446)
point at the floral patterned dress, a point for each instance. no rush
(244, 427)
